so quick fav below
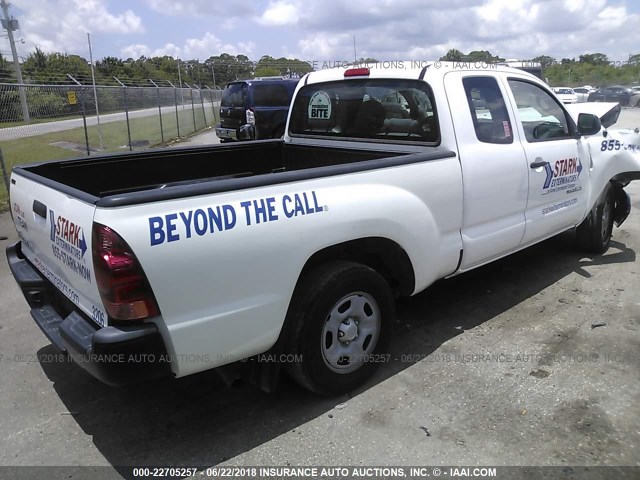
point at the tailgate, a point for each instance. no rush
(55, 230)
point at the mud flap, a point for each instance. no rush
(622, 206)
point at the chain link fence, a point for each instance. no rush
(63, 122)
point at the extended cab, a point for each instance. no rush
(173, 262)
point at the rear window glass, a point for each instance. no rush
(386, 110)
(234, 95)
(270, 95)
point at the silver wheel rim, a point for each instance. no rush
(350, 332)
(606, 219)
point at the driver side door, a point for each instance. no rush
(557, 159)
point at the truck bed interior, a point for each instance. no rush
(160, 169)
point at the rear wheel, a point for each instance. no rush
(594, 233)
(341, 318)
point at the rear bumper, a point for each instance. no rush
(245, 132)
(226, 133)
(115, 355)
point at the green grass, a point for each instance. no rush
(33, 121)
(114, 139)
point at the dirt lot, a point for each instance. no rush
(533, 360)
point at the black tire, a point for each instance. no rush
(325, 361)
(594, 233)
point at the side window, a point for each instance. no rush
(270, 95)
(541, 116)
(488, 110)
(234, 95)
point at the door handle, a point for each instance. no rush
(538, 164)
(40, 209)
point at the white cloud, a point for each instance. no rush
(229, 24)
(135, 51)
(198, 8)
(193, 48)
(62, 25)
(317, 47)
(414, 29)
(99, 19)
(280, 13)
(383, 29)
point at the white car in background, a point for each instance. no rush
(566, 94)
(582, 93)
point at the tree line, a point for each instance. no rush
(593, 69)
(216, 71)
(55, 68)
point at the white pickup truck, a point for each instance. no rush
(292, 251)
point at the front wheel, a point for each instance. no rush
(341, 318)
(594, 233)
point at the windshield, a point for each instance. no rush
(563, 91)
(386, 110)
(234, 95)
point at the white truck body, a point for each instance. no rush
(223, 266)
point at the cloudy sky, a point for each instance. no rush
(324, 30)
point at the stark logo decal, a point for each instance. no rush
(71, 233)
(564, 174)
(69, 244)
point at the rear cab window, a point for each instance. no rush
(389, 110)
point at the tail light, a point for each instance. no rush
(123, 286)
(251, 117)
(357, 72)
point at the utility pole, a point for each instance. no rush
(355, 55)
(180, 82)
(95, 92)
(10, 25)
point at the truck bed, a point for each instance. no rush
(126, 179)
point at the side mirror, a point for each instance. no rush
(588, 124)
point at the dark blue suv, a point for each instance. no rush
(255, 109)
